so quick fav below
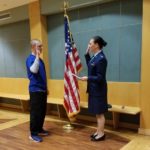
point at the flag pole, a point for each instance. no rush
(69, 125)
(65, 7)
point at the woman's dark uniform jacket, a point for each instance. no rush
(96, 84)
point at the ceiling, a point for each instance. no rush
(8, 4)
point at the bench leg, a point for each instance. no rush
(115, 119)
(58, 110)
(24, 105)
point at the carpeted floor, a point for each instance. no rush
(16, 138)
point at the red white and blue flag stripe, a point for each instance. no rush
(72, 66)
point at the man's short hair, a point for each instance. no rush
(35, 41)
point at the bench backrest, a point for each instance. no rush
(119, 93)
(14, 85)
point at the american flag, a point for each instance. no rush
(72, 66)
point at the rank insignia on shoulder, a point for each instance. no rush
(92, 64)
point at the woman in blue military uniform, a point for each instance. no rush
(96, 84)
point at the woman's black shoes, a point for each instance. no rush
(102, 138)
(93, 135)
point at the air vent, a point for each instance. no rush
(5, 16)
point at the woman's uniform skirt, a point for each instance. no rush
(97, 105)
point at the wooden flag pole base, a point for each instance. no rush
(69, 126)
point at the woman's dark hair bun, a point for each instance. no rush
(104, 43)
(101, 42)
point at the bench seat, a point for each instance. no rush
(116, 109)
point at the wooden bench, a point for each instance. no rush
(116, 110)
(20, 97)
(14, 89)
(55, 87)
(18, 89)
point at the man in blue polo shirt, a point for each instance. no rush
(38, 91)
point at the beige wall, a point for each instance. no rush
(119, 93)
(38, 29)
(145, 71)
(14, 86)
